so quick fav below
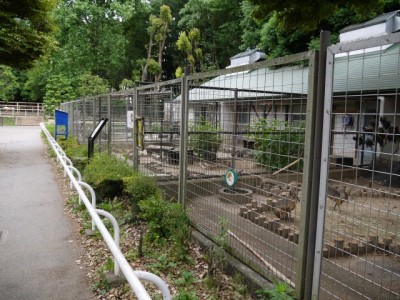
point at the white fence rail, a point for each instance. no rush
(131, 276)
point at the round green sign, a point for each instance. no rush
(231, 178)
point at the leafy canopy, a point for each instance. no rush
(8, 84)
(26, 29)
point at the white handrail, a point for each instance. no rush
(126, 269)
(116, 233)
(92, 195)
(77, 174)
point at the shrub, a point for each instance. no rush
(280, 291)
(76, 152)
(105, 174)
(205, 139)
(140, 187)
(166, 221)
(278, 143)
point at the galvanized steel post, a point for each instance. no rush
(183, 139)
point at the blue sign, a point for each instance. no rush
(61, 124)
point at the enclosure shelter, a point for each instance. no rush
(255, 125)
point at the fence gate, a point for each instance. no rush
(358, 235)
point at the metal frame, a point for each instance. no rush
(332, 50)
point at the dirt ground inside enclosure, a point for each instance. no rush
(376, 273)
(372, 210)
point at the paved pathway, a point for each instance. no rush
(37, 255)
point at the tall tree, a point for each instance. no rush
(308, 14)
(189, 44)
(26, 29)
(92, 39)
(158, 31)
(8, 84)
(219, 23)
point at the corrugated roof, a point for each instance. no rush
(245, 53)
(372, 71)
(380, 19)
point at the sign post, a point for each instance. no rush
(61, 124)
(94, 135)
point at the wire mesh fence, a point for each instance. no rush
(234, 147)
(362, 191)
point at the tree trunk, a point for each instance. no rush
(146, 66)
(161, 46)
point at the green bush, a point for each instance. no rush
(105, 174)
(280, 291)
(140, 187)
(278, 143)
(167, 221)
(77, 153)
(205, 139)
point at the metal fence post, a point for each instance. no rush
(135, 155)
(110, 121)
(311, 175)
(94, 113)
(84, 121)
(183, 140)
(307, 176)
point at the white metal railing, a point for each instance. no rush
(12, 109)
(131, 276)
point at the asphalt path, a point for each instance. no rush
(38, 250)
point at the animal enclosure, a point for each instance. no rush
(259, 121)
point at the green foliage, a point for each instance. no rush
(280, 291)
(58, 89)
(34, 87)
(90, 85)
(189, 44)
(126, 84)
(8, 84)
(278, 143)
(187, 279)
(219, 24)
(186, 296)
(158, 31)
(205, 139)
(91, 39)
(167, 221)
(105, 174)
(7, 121)
(164, 263)
(308, 15)
(140, 187)
(26, 31)
(76, 152)
(179, 72)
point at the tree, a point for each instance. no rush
(307, 15)
(290, 27)
(8, 84)
(26, 31)
(219, 23)
(34, 87)
(157, 30)
(59, 88)
(189, 44)
(90, 85)
(91, 39)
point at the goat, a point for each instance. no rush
(339, 195)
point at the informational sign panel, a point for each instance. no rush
(129, 119)
(61, 124)
(140, 132)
